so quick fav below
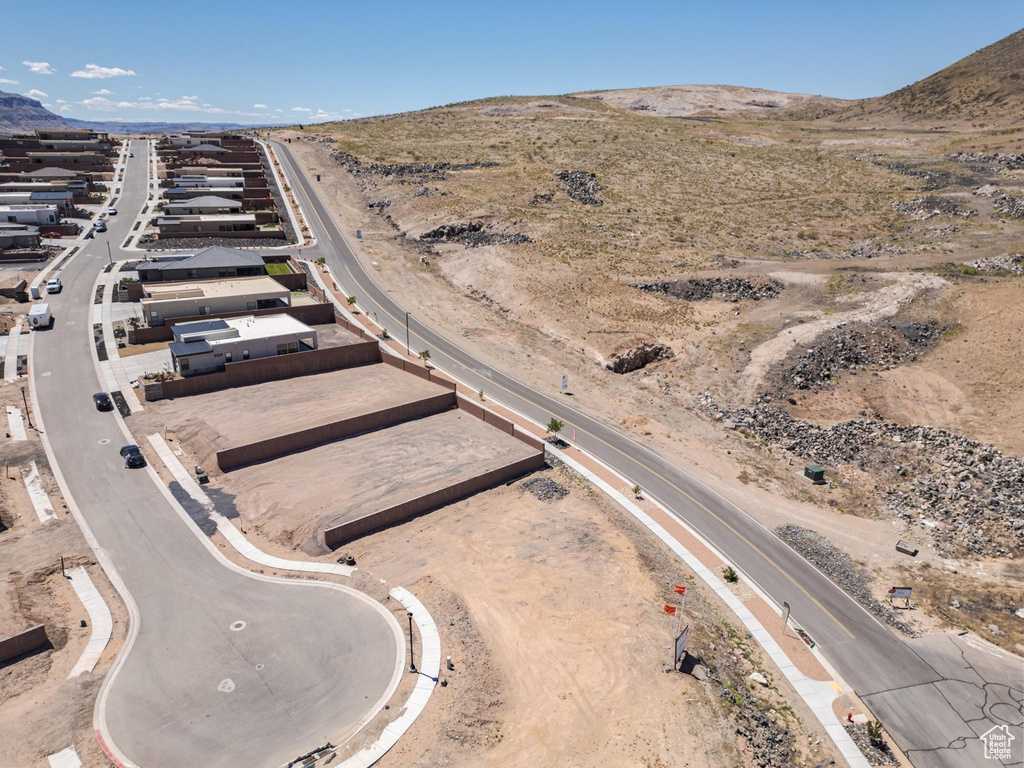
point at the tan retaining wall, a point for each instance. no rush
(271, 448)
(244, 372)
(418, 370)
(24, 642)
(340, 534)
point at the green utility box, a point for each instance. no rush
(814, 473)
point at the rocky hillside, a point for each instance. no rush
(986, 87)
(713, 101)
(19, 114)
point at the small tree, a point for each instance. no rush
(875, 734)
(350, 300)
(384, 334)
(638, 491)
(424, 355)
(730, 575)
(555, 426)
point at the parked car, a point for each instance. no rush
(103, 402)
(100, 226)
(131, 154)
(53, 285)
(133, 456)
(112, 211)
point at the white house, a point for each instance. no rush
(207, 346)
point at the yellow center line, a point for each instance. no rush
(661, 477)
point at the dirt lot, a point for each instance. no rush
(551, 611)
(211, 422)
(294, 498)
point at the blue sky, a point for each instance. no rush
(257, 62)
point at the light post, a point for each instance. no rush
(407, 334)
(109, 256)
(28, 415)
(412, 665)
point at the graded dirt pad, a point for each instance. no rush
(552, 614)
(294, 498)
(213, 421)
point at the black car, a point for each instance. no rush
(133, 456)
(103, 401)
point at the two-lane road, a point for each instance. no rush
(223, 667)
(869, 656)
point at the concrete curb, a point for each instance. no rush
(99, 616)
(817, 694)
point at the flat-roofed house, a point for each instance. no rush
(164, 301)
(207, 346)
(207, 263)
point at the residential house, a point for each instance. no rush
(164, 301)
(206, 264)
(207, 346)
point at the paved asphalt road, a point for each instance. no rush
(904, 690)
(226, 669)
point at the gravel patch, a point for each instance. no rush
(544, 488)
(720, 288)
(581, 186)
(841, 569)
(1009, 206)
(473, 234)
(969, 497)
(924, 208)
(874, 755)
(1011, 263)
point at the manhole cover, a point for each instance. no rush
(226, 686)
(104, 441)
(238, 626)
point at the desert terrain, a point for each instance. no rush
(815, 282)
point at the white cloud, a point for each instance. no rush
(259, 106)
(48, 106)
(8, 81)
(301, 109)
(40, 67)
(36, 94)
(279, 110)
(65, 108)
(190, 98)
(94, 72)
(102, 92)
(184, 104)
(60, 101)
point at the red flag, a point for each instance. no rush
(670, 610)
(680, 590)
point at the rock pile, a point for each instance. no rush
(379, 205)
(933, 179)
(399, 171)
(839, 567)
(1010, 264)
(473, 234)
(852, 349)
(924, 208)
(544, 488)
(639, 357)
(1010, 206)
(720, 288)
(1010, 162)
(582, 186)
(969, 496)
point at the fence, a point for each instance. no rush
(244, 372)
(340, 534)
(29, 640)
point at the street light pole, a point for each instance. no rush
(28, 415)
(407, 334)
(109, 256)
(412, 665)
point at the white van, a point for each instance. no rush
(39, 316)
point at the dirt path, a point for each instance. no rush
(882, 303)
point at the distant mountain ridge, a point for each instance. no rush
(20, 114)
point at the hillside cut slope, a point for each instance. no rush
(985, 87)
